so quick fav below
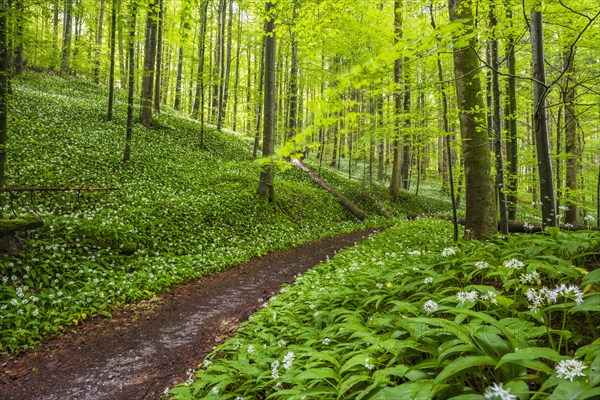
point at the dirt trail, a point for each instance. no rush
(147, 347)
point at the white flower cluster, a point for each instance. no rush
(448, 251)
(481, 265)
(288, 360)
(548, 296)
(532, 277)
(513, 263)
(471, 296)
(497, 391)
(275, 369)
(528, 226)
(490, 296)
(430, 306)
(428, 280)
(368, 366)
(569, 369)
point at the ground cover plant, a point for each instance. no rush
(179, 212)
(410, 314)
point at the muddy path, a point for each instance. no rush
(149, 346)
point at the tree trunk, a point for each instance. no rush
(480, 205)
(544, 158)
(111, 74)
(218, 65)
(131, 82)
(159, 54)
(395, 183)
(265, 186)
(226, 72)
(18, 33)
(349, 205)
(511, 123)
(497, 126)
(179, 78)
(149, 64)
(66, 43)
(96, 71)
(405, 167)
(293, 93)
(573, 141)
(237, 71)
(261, 77)
(198, 108)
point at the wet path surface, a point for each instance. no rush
(147, 347)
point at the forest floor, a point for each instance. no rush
(147, 347)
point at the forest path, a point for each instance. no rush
(149, 346)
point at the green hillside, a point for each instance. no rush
(179, 212)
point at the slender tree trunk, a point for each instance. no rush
(179, 78)
(122, 58)
(149, 64)
(159, 54)
(96, 71)
(18, 36)
(111, 74)
(332, 164)
(237, 71)
(265, 186)
(395, 183)
(404, 169)
(497, 124)
(293, 93)
(198, 108)
(66, 43)
(573, 141)
(56, 11)
(261, 77)
(381, 146)
(446, 127)
(540, 124)
(218, 65)
(511, 123)
(226, 72)
(480, 207)
(131, 82)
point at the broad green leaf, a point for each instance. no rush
(421, 390)
(530, 353)
(462, 364)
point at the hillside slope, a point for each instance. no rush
(179, 212)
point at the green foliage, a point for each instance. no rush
(179, 212)
(408, 314)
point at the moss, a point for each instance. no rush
(128, 248)
(9, 226)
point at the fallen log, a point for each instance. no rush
(54, 189)
(514, 226)
(350, 206)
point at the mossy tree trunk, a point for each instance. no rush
(511, 124)
(131, 83)
(4, 74)
(573, 141)
(479, 196)
(149, 64)
(395, 182)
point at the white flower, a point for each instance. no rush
(490, 296)
(250, 349)
(288, 360)
(215, 390)
(448, 251)
(467, 296)
(236, 345)
(496, 391)
(414, 253)
(430, 306)
(569, 369)
(275, 369)
(326, 341)
(368, 366)
(589, 218)
(570, 291)
(481, 265)
(540, 297)
(532, 277)
(206, 363)
(513, 263)
(527, 226)
(428, 280)
(281, 343)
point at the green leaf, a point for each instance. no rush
(461, 364)
(530, 353)
(421, 390)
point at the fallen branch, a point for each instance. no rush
(514, 226)
(54, 189)
(350, 206)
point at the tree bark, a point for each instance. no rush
(480, 205)
(131, 82)
(179, 78)
(573, 142)
(237, 72)
(349, 205)
(511, 123)
(111, 74)
(149, 64)
(265, 186)
(395, 182)
(405, 167)
(224, 94)
(293, 93)
(96, 71)
(544, 159)
(258, 113)
(159, 54)
(66, 43)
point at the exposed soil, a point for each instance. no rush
(149, 346)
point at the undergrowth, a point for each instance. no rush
(408, 314)
(179, 212)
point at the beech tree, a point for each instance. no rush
(149, 64)
(479, 185)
